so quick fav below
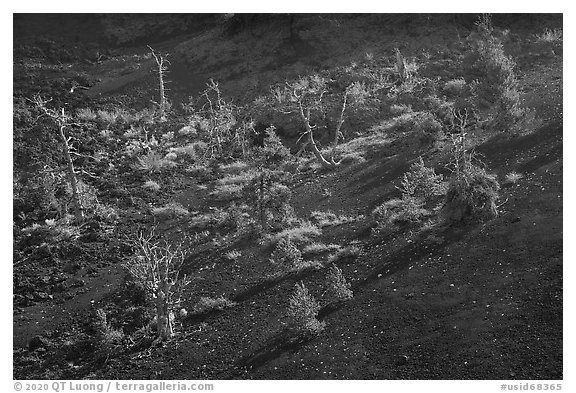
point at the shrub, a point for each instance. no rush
(106, 213)
(268, 200)
(103, 329)
(300, 234)
(286, 255)
(153, 162)
(273, 152)
(206, 304)
(455, 88)
(423, 123)
(513, 177)
(238, 179)
(492, 78)
(169, 211)
(233, 255)
(320, 248)
(108, 117)
(302, 312)
(338, 289)
(235, 167)
(406, 210)
(227, 192)
(198, 170)
(205, 221)
(110, 339)
(324, 219)
(422, 182)
(472, 193)
(86, 114)
(548, 35)
(441, 108)
(152, 186)
(397, 110)
(352, 251)
(191, 150)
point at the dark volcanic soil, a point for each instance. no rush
(481, 301)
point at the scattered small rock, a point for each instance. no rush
(402, 360)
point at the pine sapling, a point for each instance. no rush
(303, 311)
(286, 255)
(338, 287)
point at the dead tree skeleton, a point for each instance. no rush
(306, 96)
(162, 68)
(64, 121)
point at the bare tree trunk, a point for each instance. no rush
(338, 128)
(162, 95)
(401, 66)
(78, 210)
(160, 62)
(163, 321)
(325, 163)
(62, 121)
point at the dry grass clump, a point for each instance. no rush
(154, 162)
(233, 255)
(352, 251)
(513, 178)
(170, 211)
(237, 178)
(235, 167)
(206, 304)
(325, 219)
(227, 192)
(455, 88)
(151, 185)
(320, 248)
(300, 234)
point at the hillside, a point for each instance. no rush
(441, 289)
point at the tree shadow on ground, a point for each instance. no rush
(281, 342)
(504, 147)
(402, 258)
(272, 282)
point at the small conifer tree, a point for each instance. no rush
(302, 312)
(338, 288)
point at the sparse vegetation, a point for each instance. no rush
(369, 126)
